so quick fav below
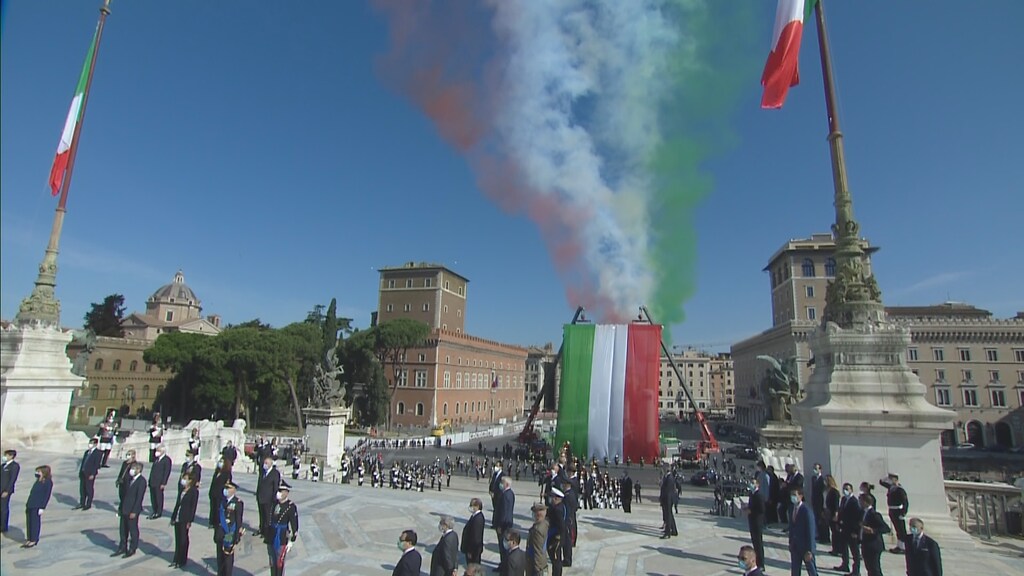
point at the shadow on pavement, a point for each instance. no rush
(691, 556)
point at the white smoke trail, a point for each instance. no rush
(579, 115)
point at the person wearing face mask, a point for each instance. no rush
(123, 477)
(159, 475)
(228, 531)
(129, 510)
(473, 533)
(849, 519)
(923, 555)
(746, 560)
(536, 552)
(444, 561)
(221, 476)
(284, 529)
(156, 435)
(182, 517)
(755, 522)
(87, 471)
(8, 477)
(818, 490)
(191, 467)
(515, 565)
(38, 498)
(266, 494)
(801, 534)
(411, 561)
(494, 486)
(872, 528)
(899, 505)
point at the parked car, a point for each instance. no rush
(703, 478)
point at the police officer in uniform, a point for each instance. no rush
(899, 504)
(284, 529)
(228, 530)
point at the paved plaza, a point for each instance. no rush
(348, 530)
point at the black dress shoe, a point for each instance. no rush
(119, 552)
(129, 554)
(663, 537)
(87, 507)
(79, 507)
(154, 516)
(843, 569)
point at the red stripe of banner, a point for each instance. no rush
(640, 413)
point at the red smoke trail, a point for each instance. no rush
(443, 59)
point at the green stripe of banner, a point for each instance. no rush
(574, 398)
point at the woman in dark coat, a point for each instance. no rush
(831, 520)
(182, 517)
(38, 498)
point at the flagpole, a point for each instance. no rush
(853, 298)
(42, 305)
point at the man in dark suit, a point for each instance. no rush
(503, 517)
(130, 509)
(87, 471)
(8, 477)
(473, 533)
(266, 494)
(747, 561)
(626, 492)
(802, 533)
(818, 490)
(159, 474)
(667, 499)
(849, 531)
(411, 561)
(872, 530)
(923, 555)
(229, 453)
(755, 522)
(444, 561)
(515, 564)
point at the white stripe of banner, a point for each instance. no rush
(600, 389)
(617, 397)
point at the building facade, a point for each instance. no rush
(117, 375)
(455, 377)
(969, 361)
(542, 375)
(711, 382)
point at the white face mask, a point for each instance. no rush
(184, 482)
(133, 473)
(280, 496)
(159, 454)
(227, 493)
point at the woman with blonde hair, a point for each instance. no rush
(38, 498)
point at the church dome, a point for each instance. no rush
(177, 292)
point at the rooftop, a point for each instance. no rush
(421, 267)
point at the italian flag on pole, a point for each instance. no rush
(781, 70)
(60, 162)
(608, 397)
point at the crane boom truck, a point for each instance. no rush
(528, 435)
(708, 443)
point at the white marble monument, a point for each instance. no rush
(325, 428)
(36, 385)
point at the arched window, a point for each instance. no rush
(458, 379)
(117, 365)
(400, 409)
(92, 411)
(456, 407)
(419, 408)
(830, 267)
(465, 407)
(807, 268)
(133, 366)
(98, 364)
(159, 391)
(149, 367)
(112, 393)
(444, 409)
(145, 391)
(94, 392)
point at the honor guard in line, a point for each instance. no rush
(314, 470)
(194, 443)
(106, 433)
(156, 435)
(228, 530)
(284, 529)
(899, 505)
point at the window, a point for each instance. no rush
(809, 290)
(458, 380)
(938, 355)
(98, 364)
(993, 376)
(391, 283)
(94, 392)
(456, 407)
(169, 317)
(112, 392)
(830, 267)
(965, 354)
(998, 399)
(145, 391)
(426, 307)
(465, 407)
(940, 375)
(407, 307)
(912, 354)
(421, 357)
(1020, 399)
(1020, 376)
(408, 283)
(807, 268)
(473, 379)
(971, 397)
(1018, 355)
(403, 378)
(133, 366)
(812, 313)
(942, 397)
(117, 365)
(461, 290)
(427, 282)
(390, 308)
(419, 408)
(400, 408)
(444, 409)
(444, 326)
(421, 380)
(447, 379)
(445, 308)
(149, 367)
(447, 285)
(458, 313)
(966, 376)
(992, 355)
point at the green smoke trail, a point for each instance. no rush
(718, 63)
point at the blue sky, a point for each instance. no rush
(253, 146)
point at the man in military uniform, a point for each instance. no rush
(106, 433)
(284, 529)
(899, 505)
(228, 530)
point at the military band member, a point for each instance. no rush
(182, 517)
(899, 505)
(156, 435)
(106, 433)
(228, 531)
(284, 529)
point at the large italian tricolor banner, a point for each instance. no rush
(608, 396)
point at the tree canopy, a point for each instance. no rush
(104, 318)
